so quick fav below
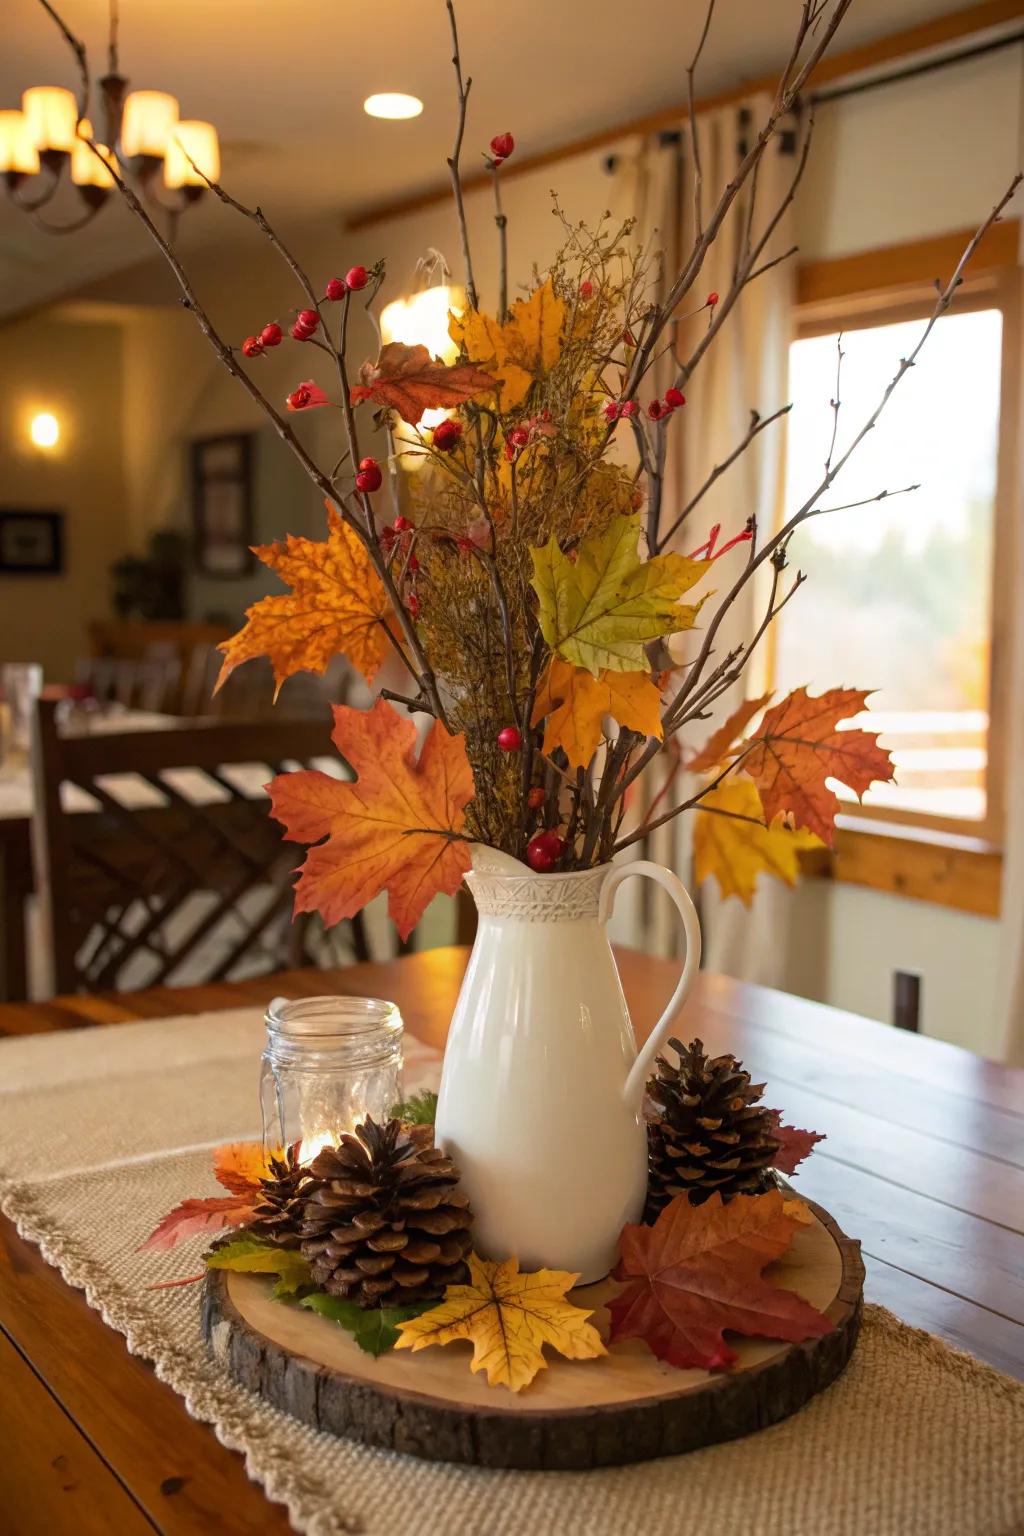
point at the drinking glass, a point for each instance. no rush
(22, 683)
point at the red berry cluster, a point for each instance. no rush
(616, 408)
(369, 477)
(586, 289)
(270, 336)
(307, 321)
(658, 409)
(502, 146)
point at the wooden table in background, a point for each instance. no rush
(924, 1162)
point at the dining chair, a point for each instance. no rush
(157, 860)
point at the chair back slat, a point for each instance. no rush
(178, 872)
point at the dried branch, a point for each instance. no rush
(757, 426)
(424, 672)
(698, 176)
(835, 401)
(453, 162)
(502, 224)
(674, 713)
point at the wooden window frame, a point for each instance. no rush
(942, 859)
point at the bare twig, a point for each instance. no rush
(693, 682)
(502, 224)
(757, 426)
(698, 176)
(453, 162)
(835, 401)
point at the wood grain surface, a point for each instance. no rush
(625, 1406)
(923, 1161)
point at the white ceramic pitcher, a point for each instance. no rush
(542, 1087)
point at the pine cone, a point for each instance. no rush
(385, 1222)
(281, 1200)
(707, 1130)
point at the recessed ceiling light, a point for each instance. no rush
(393, 104)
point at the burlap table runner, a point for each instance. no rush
(103, 1131)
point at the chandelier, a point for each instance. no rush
(164, 157)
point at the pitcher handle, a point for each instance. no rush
(691, 927)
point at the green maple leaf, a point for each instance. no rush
(599, 611)
(250, 1255)
(374, 1329)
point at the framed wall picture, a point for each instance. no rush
(31, 542)
(222, 504)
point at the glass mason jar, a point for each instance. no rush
(327, 1064)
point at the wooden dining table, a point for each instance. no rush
(923, 1162)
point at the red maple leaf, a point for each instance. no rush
(410, 381)
(698, 1272)
(798, 746)
(795, 1144)
(194, 1216)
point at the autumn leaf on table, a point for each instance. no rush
(408, 380)
(194, 1217)
(716, 748)
(795, 1144)
(240, 1165)
(572, 703)
(599, 610)
(251, 1256)
(508, 1317)
(395, 828)
(699, 1271)
(526, 346)
(798, 746)
(731, 842)
(337, 603)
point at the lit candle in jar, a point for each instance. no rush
(327, 1064)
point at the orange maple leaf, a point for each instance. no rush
(718, 743)
(798, 747)
(337, 603)
(698, 1271)
(573, 702)
(239, 1166)
(410, 381)
(394, 829)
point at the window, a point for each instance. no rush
(903, 593)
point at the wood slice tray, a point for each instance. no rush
(624, 1407)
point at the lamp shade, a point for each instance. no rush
(87, 170)
(150, 117)
(18, 153)
(52, 116)
(192, 148)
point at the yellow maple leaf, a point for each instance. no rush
(337, 603)
(508, 1317)
(518, 351)
(600, 610)
(573, 703)
(736, 851)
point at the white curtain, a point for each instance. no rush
(744, 369)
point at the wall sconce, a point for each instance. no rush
(44, 430)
